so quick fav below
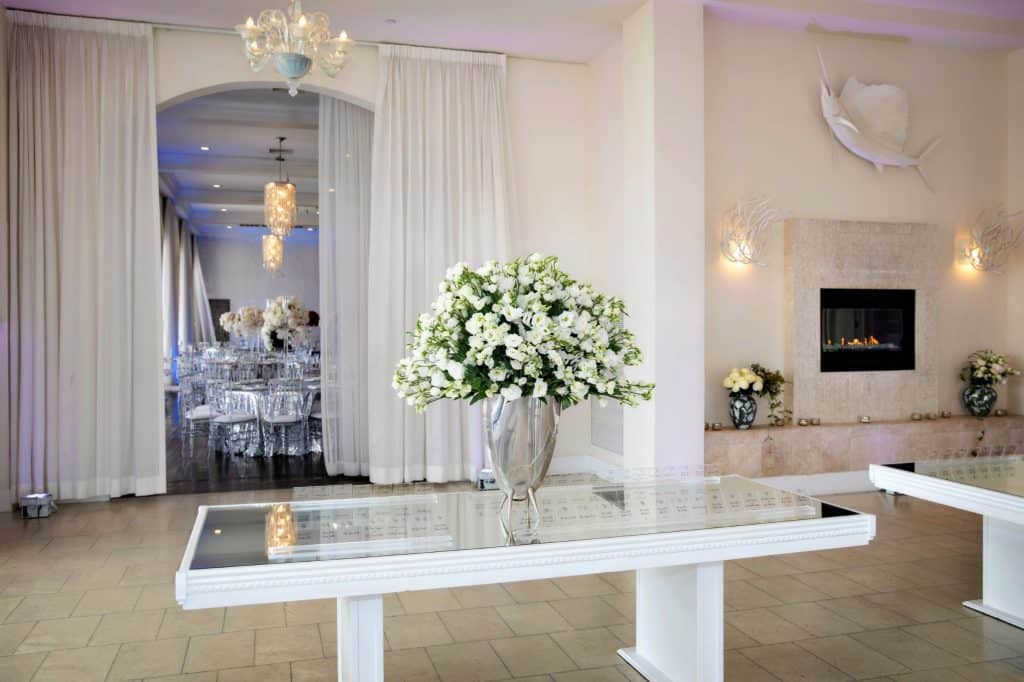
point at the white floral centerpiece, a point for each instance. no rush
(286, 320)
(984, 369)
(250, 321)
(229, 322)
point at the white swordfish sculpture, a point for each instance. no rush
(871, 121)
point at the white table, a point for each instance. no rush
(675, 534)
(992, 487)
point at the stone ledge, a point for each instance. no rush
(795, 450)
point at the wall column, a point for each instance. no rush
(5, 287)
(663, 249)
(1015, 202)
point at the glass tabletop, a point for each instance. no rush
(1000, 474)
(256, 534)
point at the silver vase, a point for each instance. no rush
(521, 438)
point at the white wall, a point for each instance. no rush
(5, 455)
(232, 269)
(765, 135)
(1015, 202)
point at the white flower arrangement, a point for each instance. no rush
(522, 328)
(229, 322)
(284, 318)
(250, 320)
(986, 367)
(743, 380)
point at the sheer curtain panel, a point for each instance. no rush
(346, 136)
(84, 259)
(185, 305)
(441, 194)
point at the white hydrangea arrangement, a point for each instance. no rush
(522, 328)
(229, 322)
(284, 318)
(743, 380)
(250, 321)
(986, 367)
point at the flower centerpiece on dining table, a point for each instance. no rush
(529, 341)
(984, 369)
(285, 321)
(246, 322)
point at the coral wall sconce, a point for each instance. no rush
(745, 229)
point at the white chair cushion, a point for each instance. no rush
(235, 418)
(199, 413)
(284, 419)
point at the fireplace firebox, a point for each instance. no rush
(867, 330)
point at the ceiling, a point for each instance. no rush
(239, 128)
(571, 30)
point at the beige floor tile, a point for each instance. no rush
(316, 670)
(913, 652)
(253, 617)
(852, 657)
(964, 643)
(833, 584)
(470, 625)
(217, 652)
(740, 595)
(20, 668)
(1009, 670)
(768, 566)
(739, 668)
(594, 675)
(623, 581)
(811, 562)
(108, 600)
(416, 630)
(410, 665)
(187, 677)
(584, 612)
(625, 632)
(530, 591)
(180, 623)
(877, 579)
(994, 630)
(312, 611)
(584, 586)
(294, 643)
(155, 597)
(789, 662)
(12, 635)
(533, 655)
(45, 607)
(276, 672)
(7, 605)
(913, 606)
(92, 579)
(329, 639)
(624, 603)
(816, 619)
(482, 595)
(139, 660)
(733, 571)
(938, 675)
(116, 628)
(736, 639)
(65, 633)
(467, 661)
(532, 619)
(590, 648)
(392, 606)
(77, 665)
(868, 615)
(428, 601)
(787, 589)
(765, 627)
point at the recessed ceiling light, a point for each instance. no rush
(217, 531)
(216, 186)
(229, 227)
(331, 189)
(309, 229)
(223, 210)
(204, 148)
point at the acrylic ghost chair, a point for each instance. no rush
(236, 430)
(284, 421)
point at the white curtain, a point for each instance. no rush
(441, 194)
(185, 306)
(84, 259)
(346, 136)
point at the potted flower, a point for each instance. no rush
(529, 341)
(984, 369)
(773, 386)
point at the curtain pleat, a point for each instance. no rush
(441, 194)
(185, 307)
(84, 216)
(346, 136)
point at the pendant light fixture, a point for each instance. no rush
(279, 198)
(273, 253)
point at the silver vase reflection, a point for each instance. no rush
(521, 437)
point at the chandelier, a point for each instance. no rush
(273, 252)
(294, 41)
(279, 198)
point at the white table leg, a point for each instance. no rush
(1002, 595)
(679, 624)
(361, 639)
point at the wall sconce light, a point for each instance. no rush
(745, 230)
(993, 236)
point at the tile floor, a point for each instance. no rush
(88, 595)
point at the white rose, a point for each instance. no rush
(456, 370)
(512, 392)
(540, 388)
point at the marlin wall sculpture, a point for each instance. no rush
(871, 121)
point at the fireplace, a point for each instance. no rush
(867, 330)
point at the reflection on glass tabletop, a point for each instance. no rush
(999, 474)
(255, 534)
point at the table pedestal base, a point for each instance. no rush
(679, 624)
(361, 639)
(1002, 596)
